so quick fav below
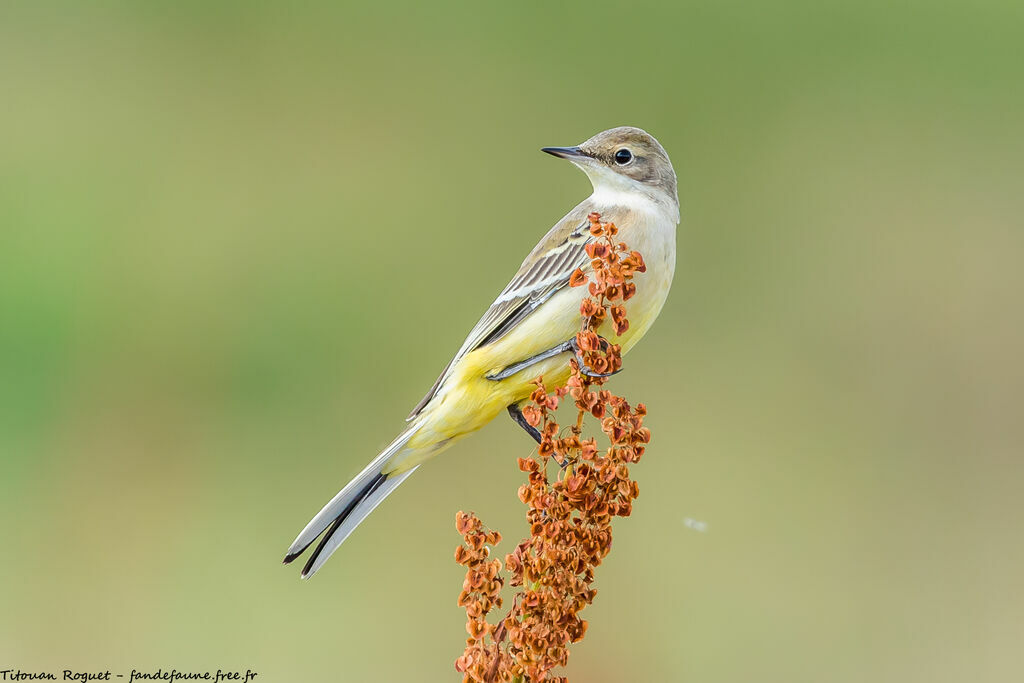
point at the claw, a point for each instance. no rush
(584, 370)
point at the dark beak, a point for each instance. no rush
(564, 152)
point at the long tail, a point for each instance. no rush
(350, 507)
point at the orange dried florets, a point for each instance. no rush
(569, 516)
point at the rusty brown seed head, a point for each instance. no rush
(570, 510)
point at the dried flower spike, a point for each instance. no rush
(570, 511)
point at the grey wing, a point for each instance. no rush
(537, 280)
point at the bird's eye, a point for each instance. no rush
(623, 157)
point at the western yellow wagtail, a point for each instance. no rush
(528, 330)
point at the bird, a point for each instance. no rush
(528, 330)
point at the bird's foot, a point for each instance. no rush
(584, 369)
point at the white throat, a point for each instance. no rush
(615, 189)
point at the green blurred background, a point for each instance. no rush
(218, 222)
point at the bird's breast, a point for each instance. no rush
(653, 234)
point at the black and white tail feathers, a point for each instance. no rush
(350, 507)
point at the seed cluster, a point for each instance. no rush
(569, 512)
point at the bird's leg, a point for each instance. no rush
(551, 353)
(517, 415)
(523, 364)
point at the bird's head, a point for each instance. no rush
(623, 159)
